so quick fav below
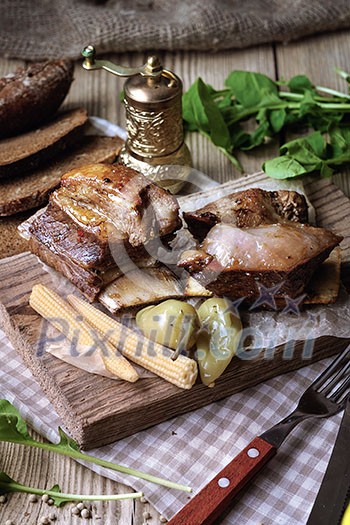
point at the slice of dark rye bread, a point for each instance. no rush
(27, 151)
(11, 243)
(93, 149)
(32, 190)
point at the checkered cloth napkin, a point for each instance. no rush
(194, 447)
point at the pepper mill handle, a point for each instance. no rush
(152, 68)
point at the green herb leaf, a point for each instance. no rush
(9, 485)
(250, 88)
(14, 429)
(283, 167)
(340, 140)
(277, 119)
(201, 112)
(5, 483)
(255, 98)
(326, 171)
(66, 443)
(300, 84)
(308, 151)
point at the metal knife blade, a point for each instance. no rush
(334, 493)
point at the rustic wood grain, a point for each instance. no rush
(99, 93)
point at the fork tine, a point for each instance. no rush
(320, 380)
(329, 386)
(340, 391)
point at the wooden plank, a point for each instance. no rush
(101, 411)
(317, 58)
(38, 468)
(213, 69)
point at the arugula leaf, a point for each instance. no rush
(283, 167)
(13, 429)
(9, 485)
(12, 426)
(300, 84)
(200, 112)
(250, 89)
(277, 119)
(311, 153)
(340, 140)
(307, 150)
(256, 98)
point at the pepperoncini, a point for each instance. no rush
(171, 323)
(218, 338)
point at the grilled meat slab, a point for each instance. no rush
(246, 209)
(87, 280)
(90, 262)
(136, 207)
(65, 238)
(235, 262)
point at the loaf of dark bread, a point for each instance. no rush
(32, 94)
(23, 153)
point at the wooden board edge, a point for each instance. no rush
(184, 401)
(73, 422)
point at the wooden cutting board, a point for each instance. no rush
(97, 410)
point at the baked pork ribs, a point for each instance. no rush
(248, 208)
(98, 224)
(255, 247)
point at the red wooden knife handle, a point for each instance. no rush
(215, 497)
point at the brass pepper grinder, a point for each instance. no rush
(155, 144)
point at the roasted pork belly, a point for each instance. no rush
(136, 207)
(88, 261)
(248, 208)
(241, 262)
(67, 239)
(87, 280)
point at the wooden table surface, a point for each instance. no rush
(98, 92)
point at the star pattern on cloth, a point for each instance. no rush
(266, 296)
(292, 305)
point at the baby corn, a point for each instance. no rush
(63, 317)
(144, 352)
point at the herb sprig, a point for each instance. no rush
(9, 485)
(13, 429)
(220, 116)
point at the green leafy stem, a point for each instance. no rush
(220, 115)
(14, 429)
(8, 485)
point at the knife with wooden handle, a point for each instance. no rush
(323, 398)
(206, 507)
(334, 493)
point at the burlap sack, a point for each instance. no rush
(37, 29)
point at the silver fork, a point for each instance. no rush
(325, 397)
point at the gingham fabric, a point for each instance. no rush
(194, 447)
